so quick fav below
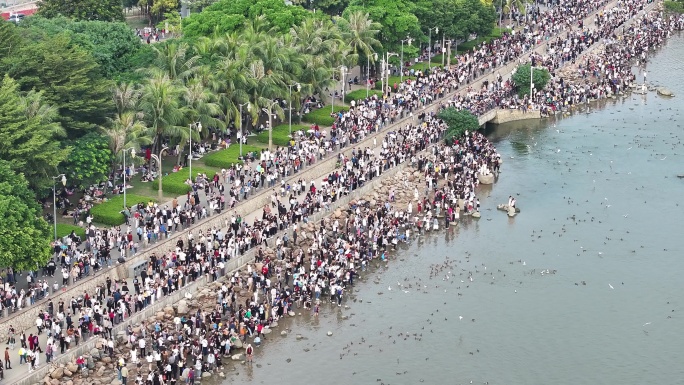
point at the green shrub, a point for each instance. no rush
(360, 94)
(322, 116)
(174, 183)
(392, 81)
(521, 78)
(281, 134)
(109, 212)
(228, 157)
(459, 121)
(470, 44)
(674, 6)
(64, 229)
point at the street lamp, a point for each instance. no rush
(198, 127)
(159, 173)
(387, 57)
(54, 198)
(299, 87)
(408, 40)
(124, 172)
(342, 70)
(242, 133)
(430, 47)
(270, 125)
(375, 57)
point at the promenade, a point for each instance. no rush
(250, 210)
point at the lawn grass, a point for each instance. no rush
(109, 212)
(64, 229)
(496, 33)
(360, 94)
(393, 80)
(321, 116)
(174, 183)
(228, 157)
(281, 134)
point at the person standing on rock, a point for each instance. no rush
(250, 353)
(124, 375)
(8, 363)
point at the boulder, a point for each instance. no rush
(72, 367)
(274, 324)
(291, 313)
(106, 360)
(266, 331)
(338, 213)
(236, 357)
(95, 353)
(476, 215)
(486, 179)
(57, 373)
(222, 375)
(329, 333)
(116, 382)
(283, 333)
(238, 344)
(664, 92)
(69, 383)
(299, 337)
(100, 371)
(68, 373)
(183, 307)
(206, 375)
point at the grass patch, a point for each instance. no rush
(322, 116)
(437, 59)
(228, 157)
(109, 212)
(281, 134)
(360, 94)
(393, 80)
(496, 33)
(63, 230)
(174, 183)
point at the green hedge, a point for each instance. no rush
(322, 116)
(64, 229)
(360, 94)
(174, 183)
(109, 212)
(228, 157)
(468, 45)
(392, 80)
(281, 134)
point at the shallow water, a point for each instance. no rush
(616, 174)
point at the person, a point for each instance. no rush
(8, 363)
(250, 352)
(124, 375)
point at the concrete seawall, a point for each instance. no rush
(505, 116)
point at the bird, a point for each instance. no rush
(664, 158)
(611, 286)
(460, 317)
(625, 215)
(389, 288)
(647, 323)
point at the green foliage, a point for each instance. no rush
(674, 6)
(112, 45)
(395, 16)
(109, 212)
(228, 157)
(323, 116)
(458, 121)
(102, 10)
(24, 234)
(360, 94)
(521, 78)
(29, 139)
(64, 229)
(230, 15)
(456, 19)
(174, 183)
(89, 161)
(69, 78)
(281, 134)
(392, 81)
(10, 40)
(471, 44)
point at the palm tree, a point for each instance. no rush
(360, 32)
(125, 131)
(126, 97)
(175, 60)
(200, 107)
(160, 104)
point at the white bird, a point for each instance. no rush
(389, 288)
(611, 286)
(629, 148)
(600, 253)
(460, 317)
(608, 205)
(647, 323)
(664, 158)
(625, 215)
(524, 264)
(398, 284)
(558, 150)
(406, 291)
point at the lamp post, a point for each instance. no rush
(198, 127)
(160, 173)
(408, 41)
(448, 43)
(388, 56)
(242, 133)
(132, 150)
(375, 57)
(299, 87)
(430, 47)
(270, 125)
(342, 69)
(54, 198)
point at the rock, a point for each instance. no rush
(68, 373)
(329, 333)
(338, 213)
(72, 367)
(476, 215)
(116, 382)
(236, 357)
(291, 313)
(486, 179)
(288, 360)
(106, 360)
(221, 374)
(69, 383)
(206, 375)
(299, 337)
(100, 371)
(57, 373)
(266, 331)
(95, 353)
(183, 307)
(283, 333)
(664, 92)
(238, 344)
(274, 324)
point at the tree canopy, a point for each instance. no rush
(24, 234)
(456, 19)
(458, 121)
(102, 10)
(521, 78)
